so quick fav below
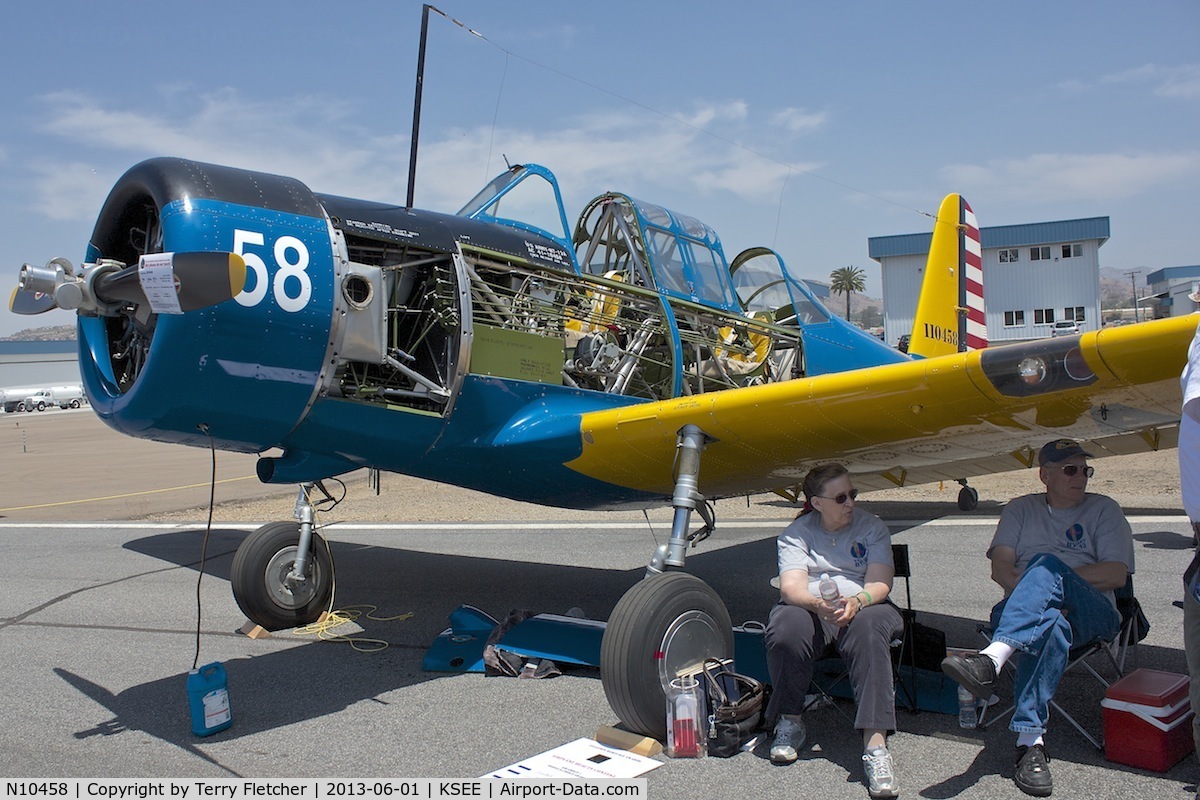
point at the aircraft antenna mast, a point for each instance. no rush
(416, 125)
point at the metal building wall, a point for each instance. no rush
(1171, 286)
(1025, 285)
(901, 277)
(1057, 284)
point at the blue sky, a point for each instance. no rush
(807, 127)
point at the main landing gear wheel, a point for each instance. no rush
(259, 577)
(665, 624)
(968, 499)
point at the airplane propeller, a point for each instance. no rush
(30, 303)
(167, 282)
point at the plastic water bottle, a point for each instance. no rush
(968, 709)
(829, 589)
(685, 731)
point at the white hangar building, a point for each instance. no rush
(1033, 274)
(1170, 287)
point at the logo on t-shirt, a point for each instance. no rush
(1075, 535)
(859, 551)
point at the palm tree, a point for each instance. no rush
(847, 281)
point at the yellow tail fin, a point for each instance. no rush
(950, 316)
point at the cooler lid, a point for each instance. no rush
(1150, 687)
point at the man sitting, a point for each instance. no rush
(1058, 556)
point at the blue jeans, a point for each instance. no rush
(1050, 610)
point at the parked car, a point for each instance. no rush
(902, 343)
(1064, 327)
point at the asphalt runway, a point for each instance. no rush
(97, 632)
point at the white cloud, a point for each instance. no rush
(1063, 177)
(1180, 81)
(799, 120)
(735, 110)
(320, 142)
(309, 138)
(68, 191)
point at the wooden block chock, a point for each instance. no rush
(254, 631)
(631, 742)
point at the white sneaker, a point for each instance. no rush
(789, 738)
(881, 773)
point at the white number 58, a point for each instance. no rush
(290, 256)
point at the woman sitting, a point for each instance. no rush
(855, 549)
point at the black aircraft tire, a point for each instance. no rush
(261, 563)
(968, 498)
(665, 623)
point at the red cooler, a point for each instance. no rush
(1148, 720)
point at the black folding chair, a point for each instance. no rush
(902, 646)
(906, 647)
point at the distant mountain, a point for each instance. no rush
(866, 311)
(52, 333)
(1116, 289)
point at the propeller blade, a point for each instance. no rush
(30, 303)
(200, 280)
(206, 279)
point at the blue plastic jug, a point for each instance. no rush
(208, 699)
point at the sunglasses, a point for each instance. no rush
(1071, 470)
(844, 496)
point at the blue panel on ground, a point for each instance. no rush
(459, 648)
(569, 640)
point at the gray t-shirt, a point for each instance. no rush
(1092, 532)
(804, 544)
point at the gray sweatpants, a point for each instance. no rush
(795, 639)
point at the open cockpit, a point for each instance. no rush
(637, 300)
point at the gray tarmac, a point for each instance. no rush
(98, 630)
(101, 537)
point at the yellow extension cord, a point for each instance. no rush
(324, 628)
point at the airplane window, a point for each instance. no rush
(707, 272)
(762, 285)
(531, 202)
(656, 215)
(489, 192)
(809, 312)
(694, 227)
(668, 266)
(759, 285)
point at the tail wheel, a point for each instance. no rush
(968, 498)
(259, 577)
(664, 625)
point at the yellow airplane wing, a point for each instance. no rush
(943, 418)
